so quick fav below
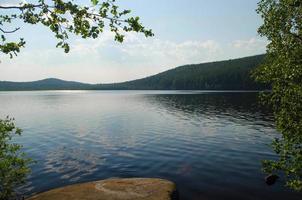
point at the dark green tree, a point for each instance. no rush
(13, 163)
(283, 71)
(67, 17)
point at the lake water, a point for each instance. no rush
(209, 143)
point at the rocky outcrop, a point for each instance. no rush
(114, 189)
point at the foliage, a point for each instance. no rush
(283, 70)
(13, 163)
(65, 17)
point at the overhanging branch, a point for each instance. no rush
(21, 7)
(4, 31)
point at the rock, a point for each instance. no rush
(114, 189)
(271, 179)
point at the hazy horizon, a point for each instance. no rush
(125, 80)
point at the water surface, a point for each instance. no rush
(209, 143)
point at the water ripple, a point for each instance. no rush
(210, 144)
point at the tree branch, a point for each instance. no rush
(109, 18)
(3, 31)
(21, 7)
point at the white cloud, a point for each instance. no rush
(92, 45)
(250, 44)
(172, 52)
(151, 50)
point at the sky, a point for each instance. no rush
(186, 32)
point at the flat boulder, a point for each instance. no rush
(114, 189)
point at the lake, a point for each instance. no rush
(209, 143)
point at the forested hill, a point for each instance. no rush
(223, 75)
(45, 84)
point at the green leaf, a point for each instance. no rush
(95, 2)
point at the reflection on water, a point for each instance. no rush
(214, 105)
(210, 144)
(70, 162)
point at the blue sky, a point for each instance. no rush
(186, 31)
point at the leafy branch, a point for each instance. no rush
(66, 17)
(283, 70)
(13, 163)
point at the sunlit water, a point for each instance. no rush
(210, 144)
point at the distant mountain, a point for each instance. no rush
(223, 75)
(45, 84)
